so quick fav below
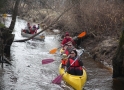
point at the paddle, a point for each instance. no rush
(82, 34)
(58, 79)
(46, 61)
(53, 51)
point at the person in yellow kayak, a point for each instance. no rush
(74, 67)
(64, 53)
(64, 60)
(67, 39)
(67, 48)
(64, 50)
(70, 47)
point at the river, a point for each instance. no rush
(28, 73)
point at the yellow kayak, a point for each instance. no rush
(76, 82)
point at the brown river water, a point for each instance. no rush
(28, 73)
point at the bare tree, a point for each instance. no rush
(15, 12)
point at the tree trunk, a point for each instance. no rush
(77, 14)
(78, 19)
(15, 12)
(118, 59)
(7, 39)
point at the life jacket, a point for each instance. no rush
(64, 61)
(33, 31)
(65, 40)
(75, 65)
(67, 52)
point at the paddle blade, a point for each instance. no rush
(53, 51)
(46, 61)
(82, 34)
(58, 79)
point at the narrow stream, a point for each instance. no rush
(28, 73)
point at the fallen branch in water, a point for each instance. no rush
(45, 27)
(7, 61)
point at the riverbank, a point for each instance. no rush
(101, 50)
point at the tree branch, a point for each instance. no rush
(45, 27)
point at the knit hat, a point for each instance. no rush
(67, 34)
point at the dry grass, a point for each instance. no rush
(99, 17)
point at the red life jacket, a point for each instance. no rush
(65, 40)
(75, 64)
(67, 52)
(64, 61)
(32, 31)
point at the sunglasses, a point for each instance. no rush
(69, 45)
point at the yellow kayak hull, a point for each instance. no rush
(76, 82)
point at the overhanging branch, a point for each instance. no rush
(45, 27)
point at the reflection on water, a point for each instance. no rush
(100, 78)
